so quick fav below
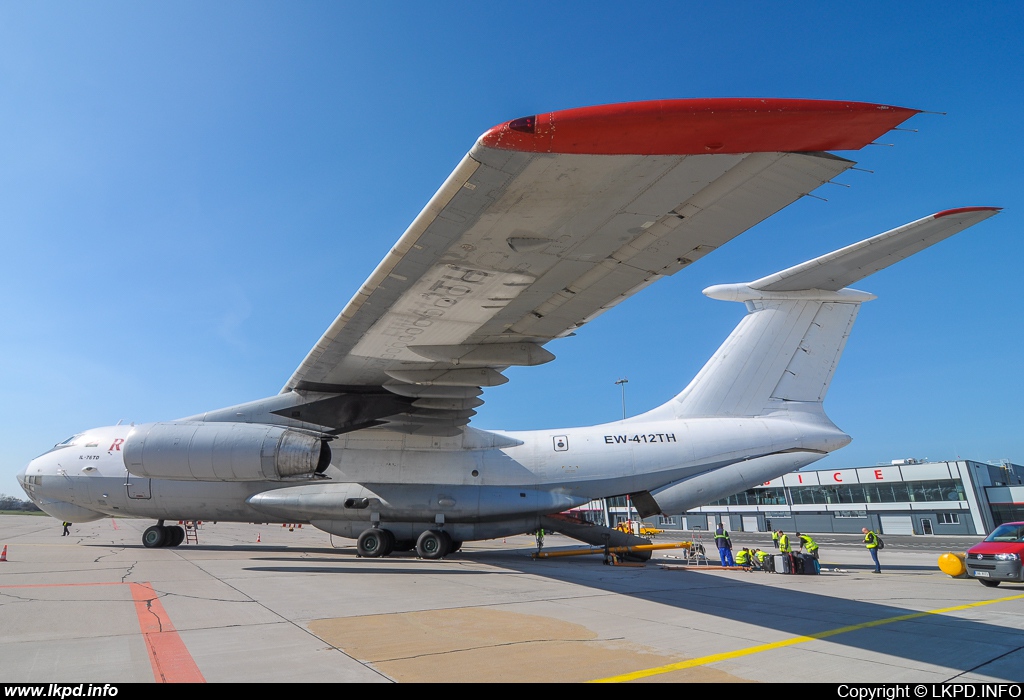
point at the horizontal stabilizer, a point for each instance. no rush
(785, 350)
(848, 265)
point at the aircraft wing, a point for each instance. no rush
(552, 219)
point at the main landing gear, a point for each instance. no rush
(431, 544)
(375, 543)
(161, 535)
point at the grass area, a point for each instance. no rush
(23, 512)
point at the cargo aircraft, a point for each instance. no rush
(548, 222)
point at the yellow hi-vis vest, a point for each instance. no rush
(809, 543)
(784, 544)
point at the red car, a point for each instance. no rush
(998, 557)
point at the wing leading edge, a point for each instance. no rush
(553, 219)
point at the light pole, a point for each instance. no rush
(604, 501)
(622, 385)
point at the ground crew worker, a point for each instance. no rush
(775, 538)
(724, 545)
(66, 531)
(871, 542)
(743, 559)
(807, 542)
(540, 539)
(784, 543)
(760, 557)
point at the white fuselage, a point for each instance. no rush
(480, 484)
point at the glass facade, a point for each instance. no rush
(1007, 513)
(755, 497)
(894, 492)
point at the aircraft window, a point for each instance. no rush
(66, 443)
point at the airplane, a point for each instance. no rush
(549, 221)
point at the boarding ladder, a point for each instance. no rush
(191, 532)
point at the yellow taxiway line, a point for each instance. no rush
(713, 658)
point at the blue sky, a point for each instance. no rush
(190, 192)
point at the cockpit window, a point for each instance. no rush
(66, 443)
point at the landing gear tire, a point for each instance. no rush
(155, 536)
(433, 544)
(175, 535)
(389, 543)
(989, 584)
(449, 544)
(375, 543)
(456, 546)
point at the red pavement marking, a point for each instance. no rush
(114, 523)
(56, 585)
(167, 652)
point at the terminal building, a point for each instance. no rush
(904, 497)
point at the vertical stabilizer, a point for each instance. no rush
(785, 350)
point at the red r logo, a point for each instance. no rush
(116, 445)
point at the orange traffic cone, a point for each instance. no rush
(3, 554)
(257, 538)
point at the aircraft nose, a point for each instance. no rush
(23, 479)
(24, 470)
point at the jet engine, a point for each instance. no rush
(196, 451)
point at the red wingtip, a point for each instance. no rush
(690, 127)
(964, 210)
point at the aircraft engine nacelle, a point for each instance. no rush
(195, 451)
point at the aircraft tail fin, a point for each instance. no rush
(784, 352)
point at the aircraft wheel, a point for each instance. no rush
(175, 535)
(389, 542)
(372, 543)
(990, 584)
(155, 536)
(456, 546)
(433, 544)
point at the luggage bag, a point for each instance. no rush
(809, 565)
